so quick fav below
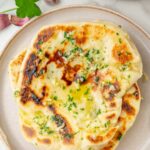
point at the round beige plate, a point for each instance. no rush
(138, 138)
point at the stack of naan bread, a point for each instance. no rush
(76, 86)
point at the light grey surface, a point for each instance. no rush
(138, 138)
(138, 10)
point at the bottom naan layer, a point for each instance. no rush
(130, 108)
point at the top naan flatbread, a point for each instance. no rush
(130, 105)
(72, 83)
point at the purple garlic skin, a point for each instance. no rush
(18, 21)
(4, 21)
(52, 2)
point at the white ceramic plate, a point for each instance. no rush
(138, 138)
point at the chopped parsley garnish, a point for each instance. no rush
(82, 109)
(119, 136)
(41, 121)
(65, 55)
(78, 89)
(39, 51)
(68, 36)
(68, 136)
(81, 79)
(96, 79)
(76, 113)
(58, 119)
(124, 67)
(70, 90)
(16, 93)
(129, 76)
(40, 42)
(107, 124)
(104, 66)
(70, 98)
(71, 105)
(120, 40)
(117, 33)
(87, 91)
(41, 72)
(81, 138)
(45, 129)
(63, 87)
(98, 112)
(88, 56)
(128, 53)
(55, 97)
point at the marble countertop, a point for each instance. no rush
(137, 10)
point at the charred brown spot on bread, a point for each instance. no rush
(119, 135)
(45, 141)
(94, 78)
(95, 140)
(44, 88)
(70, 28)
(109, 93)
(109, 146)
(29, 131)
(111, 116)
(30, 68)
(136, 92)
(111, 132)
(122, 54)
(43, 36)
(25, 92)
(113, 104)
(66, 130)
(127, 107)
(28, 95)
(81, 37)
(47, 55)
(69, 73)
(58, 58)
(98, 139)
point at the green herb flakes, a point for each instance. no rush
(87, 91)
(120, 136)
(107, 124)
(17, 93)
(120, 40)
(68, 136)
(68, 36)
(41, 120)
(55, 97)
(96, 79)
(39, 51)
(98, 112)
(58, 119)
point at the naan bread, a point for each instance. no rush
(72, 85)
(130, 106)
(130, 109)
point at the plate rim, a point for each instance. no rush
(108, 10)
(128, 19)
